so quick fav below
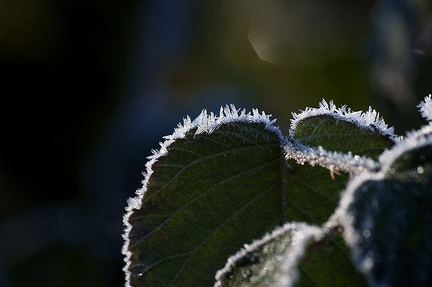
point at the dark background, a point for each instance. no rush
(88, 88)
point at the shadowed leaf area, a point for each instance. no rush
(328, 263)
(394, 220)
(312, 194)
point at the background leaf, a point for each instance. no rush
(390, 219)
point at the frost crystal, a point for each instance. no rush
(425, 108)
(369, 119)
(334, 161)
(204, 123)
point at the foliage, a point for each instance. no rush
(340, 201)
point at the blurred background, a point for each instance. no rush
(88, 88)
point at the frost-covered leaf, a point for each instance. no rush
(388, 217)
(342, 130)
(221, 181)
(214, 185)
(293, 255)
(330, 144)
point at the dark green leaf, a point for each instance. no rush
(313, 192)
(336, 134)
(222, 182)
(389, 216)
(328, 263)
(208, 196)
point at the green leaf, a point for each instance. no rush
(218, 182)
(342, 136)
(388, 217)
(210, 193)
(312, 191)
(328, 263)
(360, 133)
(294, 255)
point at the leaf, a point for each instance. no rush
(328, 263)
(313, 192)
(220, 181)
(293, 255)
(388, 217)
(206, 195)
(360, 133)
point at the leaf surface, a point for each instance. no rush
(342, 135)
(324, 140)
(208, 195)
(219, 182)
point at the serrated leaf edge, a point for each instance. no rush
(204, 123)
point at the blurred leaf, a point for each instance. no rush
(391, 219)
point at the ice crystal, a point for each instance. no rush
(425, 108)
